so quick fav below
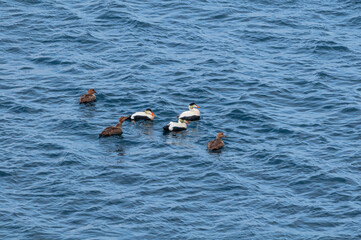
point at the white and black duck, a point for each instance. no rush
(176, 126)
(146, 115)
(192, 114)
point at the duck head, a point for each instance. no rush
(120, 123)
(122, 119)
(220, 135)
(149, 111)
(91, 91)
(192, 106)
(182, 121)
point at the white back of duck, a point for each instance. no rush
(176, 126)
(146, 115)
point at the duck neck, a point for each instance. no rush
(119, 125)
(194, 110)
(183, 123)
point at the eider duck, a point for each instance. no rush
(176, 126)
(216, 144)
(89, 97)
(191, 115)
(116, 130)
(146, 115)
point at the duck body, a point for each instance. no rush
(116, 130)
(216, 144)
(181, 125)
(192, 114)
(110, 131)
(141, 116)
(89, 97)
(146, 115)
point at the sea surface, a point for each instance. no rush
(282, 79)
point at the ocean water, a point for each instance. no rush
(282, 79)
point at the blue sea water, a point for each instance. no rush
(282, 79)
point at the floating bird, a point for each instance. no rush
(191, 115)
(116, 130)
(176, 126)
(146, 115)
(216, 144)
(89, 97)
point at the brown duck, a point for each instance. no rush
(216, 144)
(89, 97)
(116, 130)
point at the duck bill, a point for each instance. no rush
(197, 106)
(153, 114)
(187, 122)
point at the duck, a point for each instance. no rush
(146, 115)
(192, 115)
(176, 126)
(116, 130)
(89, 97)
(216, 144)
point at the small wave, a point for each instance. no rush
(16, 50)
(324, 75)
(127, 179)
(241, 115)
(4, 174)
(327, 180)
(26, 110)
(139, 24)
(355, 21)
(51, 61)
(51, 146)
(30, 2)
(113, 15)
(69, 163)
(329, 46)
(350, 110)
